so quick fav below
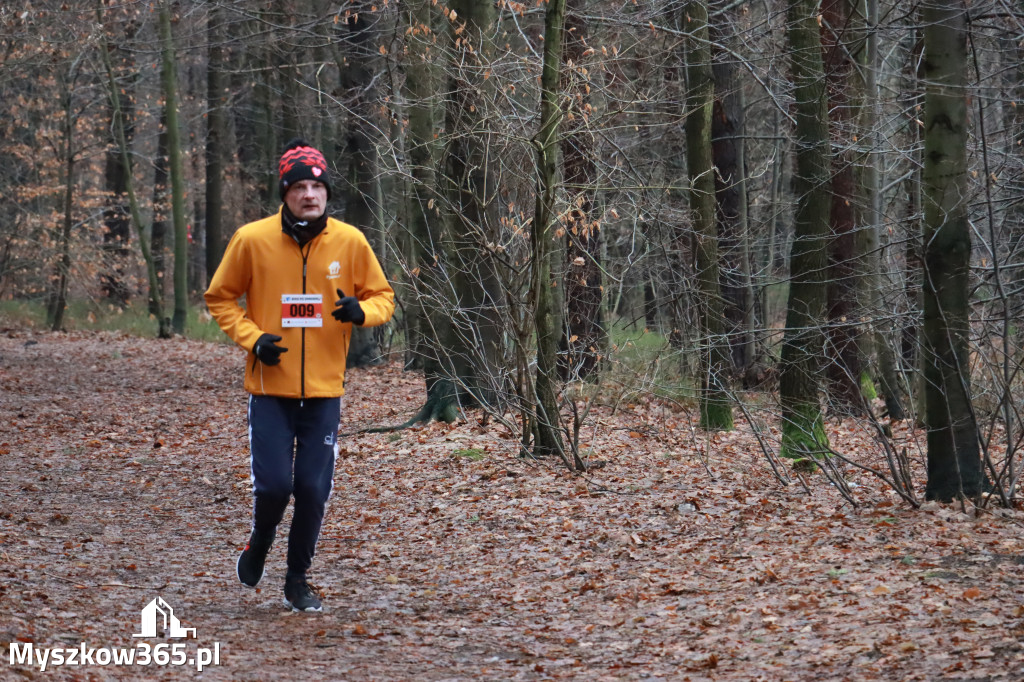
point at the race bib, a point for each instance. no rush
(302, 310)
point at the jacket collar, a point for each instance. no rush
(302, 231)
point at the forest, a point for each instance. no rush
(812, 207)
(708, 331)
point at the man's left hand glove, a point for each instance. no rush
(348, 309)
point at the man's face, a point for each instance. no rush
(306, 199)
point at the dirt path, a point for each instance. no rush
(124, 474)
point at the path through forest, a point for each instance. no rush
(124, 477)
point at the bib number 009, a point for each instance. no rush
(302, 310)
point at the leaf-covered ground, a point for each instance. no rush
(124, 474)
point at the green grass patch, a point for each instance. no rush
(22, 314)
(633, 342)
(89, 315)
(643, 360)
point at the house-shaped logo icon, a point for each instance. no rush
(170, 623)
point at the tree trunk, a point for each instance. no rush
(776, 223)
(161, 208)
(877, 337)
(264, 149)
(843, 352)
(59, 301)
(59, 294)
(954, 463)
(476, 299)
(251, 121)
(170, 88)
(418, 92)
(650, 304)
(803, 432)
(728, 128)
(584, 335)
(426, 258)
(361, 182)
(216, 143)
(121, 138)
(715, 405)
(544, 290)
(911, 332)
(116, 218)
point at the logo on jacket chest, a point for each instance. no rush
(334, 270)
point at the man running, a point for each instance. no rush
(290, 267)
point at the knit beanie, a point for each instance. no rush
(300, 161)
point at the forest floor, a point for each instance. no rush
(124, 474)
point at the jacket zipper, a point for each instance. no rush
(302, 361)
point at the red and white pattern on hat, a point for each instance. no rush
(304, 156)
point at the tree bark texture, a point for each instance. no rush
(426, 263)
(60, 299)
(843, 353)
(715, 405)
(216, 139)
(477, 299)
(728, 128)
(954, 462)
(545, 292)
(418, 93)
(584, 334)
(177, 171)
(360, 183)
(803, 432)
(116, 217)
(877, 340)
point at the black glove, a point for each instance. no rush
(267, 350)
(348, 309)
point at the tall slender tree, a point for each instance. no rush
(426, 260)
(844, 359)
(121, 141)
(803, 430)
(474, 295)
(954, 462)
(545, 293)
(177, 170)
(585, 333)
(728, 150)
(875, 341)
(69, 156)
(715, 405)
(361, 182)
(116, 216)
(216, 140)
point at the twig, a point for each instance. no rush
(95, 585)
(892, 484)
(768, 453)
(835, 477)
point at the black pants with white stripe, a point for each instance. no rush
(293, 444)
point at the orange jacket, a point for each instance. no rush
(263, 263)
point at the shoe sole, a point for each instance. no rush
(311, 609)
(238, 574)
